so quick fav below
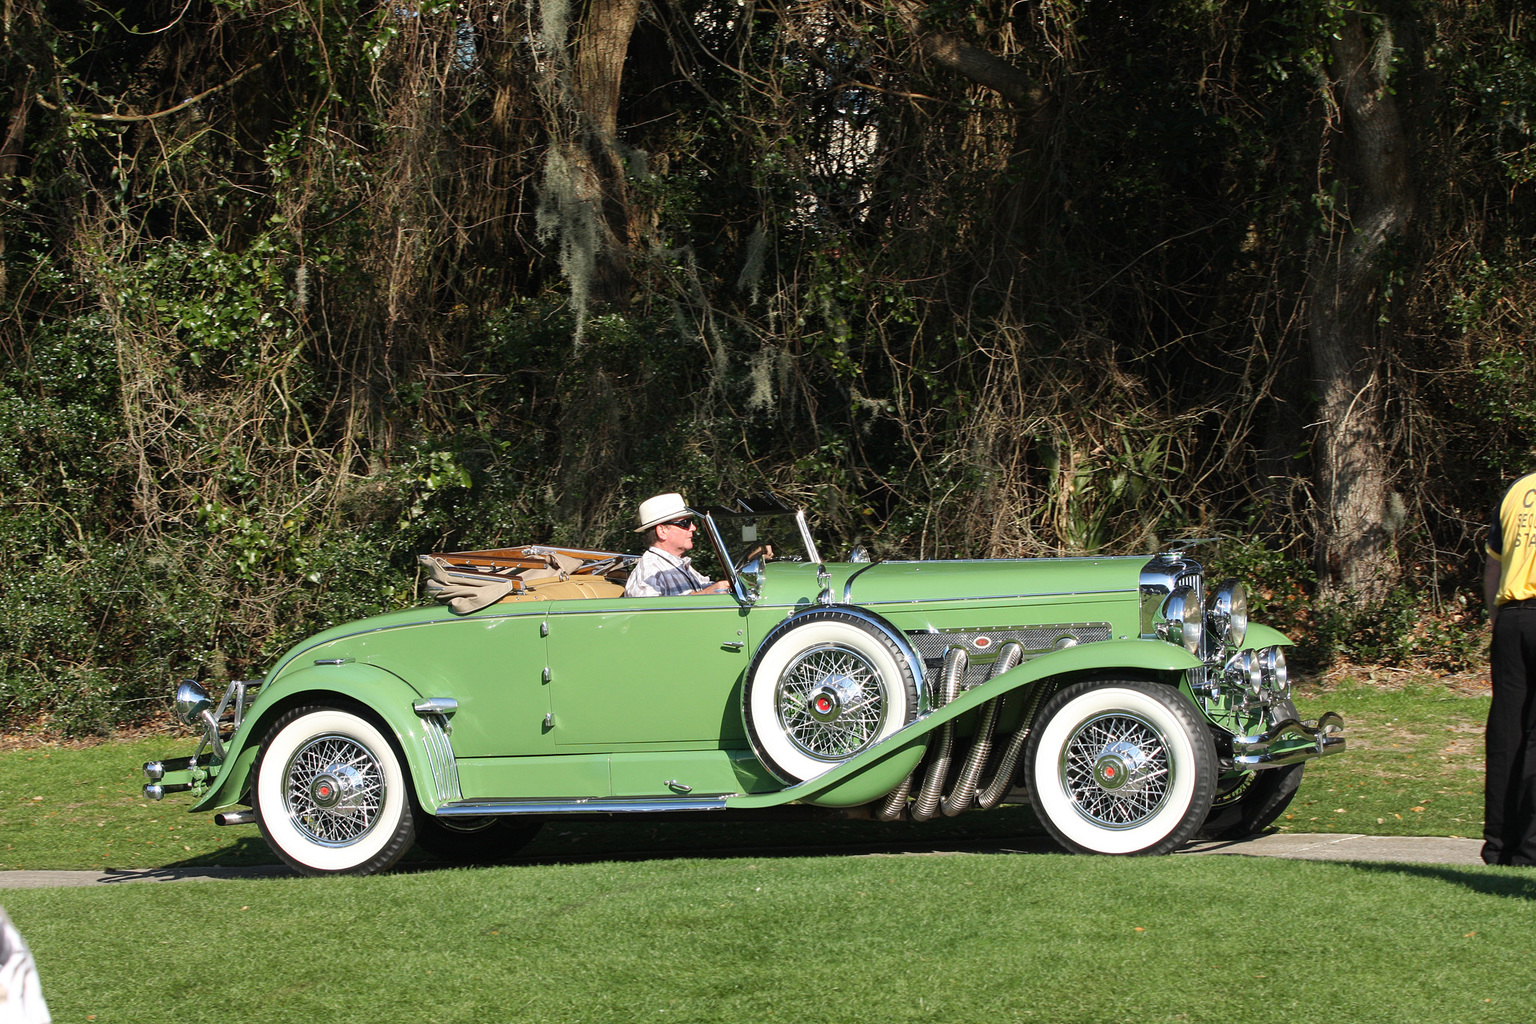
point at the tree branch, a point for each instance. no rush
(950, 50)
(183, 105)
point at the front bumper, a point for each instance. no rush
(196, 773)
(1289, 741)
(179, 775)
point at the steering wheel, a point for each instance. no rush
(753, 553)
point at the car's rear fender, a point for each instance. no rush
(382, 693)
(881, 768)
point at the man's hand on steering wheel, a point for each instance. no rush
(763, 551)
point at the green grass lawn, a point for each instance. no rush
(837, 939)
(1414, 766)
(586, 934)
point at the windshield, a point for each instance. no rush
(774, 537)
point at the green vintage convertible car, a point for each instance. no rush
(1127, 699)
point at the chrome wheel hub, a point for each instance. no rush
(339, 789)
(1116, 769)
(830, 702)
(334, 790)
(837, 692)
(1119, 765)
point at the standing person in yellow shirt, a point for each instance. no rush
(1509, 589)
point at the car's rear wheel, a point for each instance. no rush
(474, 840)
(824, 687)
(1121, 767)
(331, 794)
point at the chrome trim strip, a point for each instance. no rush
(580, 805)
(435, 706)
(1323, 737)
(848, 585)
(996, 597)
(445, 770)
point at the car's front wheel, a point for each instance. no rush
(331, 794)
(1121, 767)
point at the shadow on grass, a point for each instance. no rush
(1514, 883)
(1004, 830)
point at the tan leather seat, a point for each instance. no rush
(555, 589)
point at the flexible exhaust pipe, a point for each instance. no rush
(956, 661)
(1008, 657)
(1002, 780)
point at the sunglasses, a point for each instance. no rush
(682, 524)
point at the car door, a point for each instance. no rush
(638, 673)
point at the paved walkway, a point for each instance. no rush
(1319, 846)
(1295, 846)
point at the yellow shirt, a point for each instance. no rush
(1512, 541)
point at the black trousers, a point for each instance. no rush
(1509, 810)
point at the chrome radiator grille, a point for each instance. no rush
(982, 645)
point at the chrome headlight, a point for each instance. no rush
(1228, 613)
(191, 701)
(1276, 677)
(1182, 620)
(1244, 670)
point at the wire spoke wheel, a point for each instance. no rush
(335, 790)
(1121, 767)
(826, 686)
(831, 703)
(1117, 769)
(331, 793)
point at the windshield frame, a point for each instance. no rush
(715, 520)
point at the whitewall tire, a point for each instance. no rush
(824, 687)
(331, 794)
(1121, 767)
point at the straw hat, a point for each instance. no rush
(660, 509)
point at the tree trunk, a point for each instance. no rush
(12, 150)
(1348, 331)
(589, 191)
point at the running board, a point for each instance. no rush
(583, 805)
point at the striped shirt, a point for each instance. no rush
(658, 574)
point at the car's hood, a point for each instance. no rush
(886, 582)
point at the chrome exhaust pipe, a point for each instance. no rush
(1002, 780)
(245, 817)
(956, 661)
(1008, 657)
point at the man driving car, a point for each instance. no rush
(665, 570)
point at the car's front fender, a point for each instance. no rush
(881, 768)
(383, 693)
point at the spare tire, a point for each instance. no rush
(824, 687)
